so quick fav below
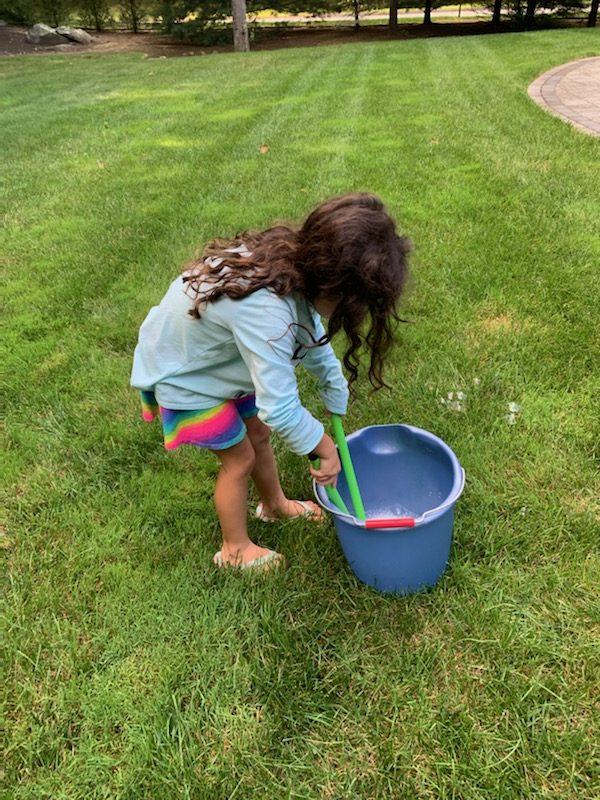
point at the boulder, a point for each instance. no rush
(44, 35)
(65, 48)
(76, 35)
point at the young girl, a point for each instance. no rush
(216, 358)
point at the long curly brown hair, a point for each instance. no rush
(347, 250)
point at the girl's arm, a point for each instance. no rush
(266, 344)
(325, 366)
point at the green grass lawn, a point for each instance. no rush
(135, 669)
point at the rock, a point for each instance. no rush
(76, 35)
(44, 35)
(65, 48)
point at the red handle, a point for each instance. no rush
(398, 522)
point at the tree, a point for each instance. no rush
(427, 15)
(591, 23)
(496, 13)
(356, 6)
(187, 18)
(393, 18)
(530, 13)
(53, 12)
(94, 13)
(19, 12)
(133, 13)
(241, 42)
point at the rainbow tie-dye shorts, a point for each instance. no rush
(215, 428)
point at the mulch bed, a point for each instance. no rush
(155, 45)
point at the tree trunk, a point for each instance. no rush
(97, 15)
(241, 42)
(496, 14)
(356, 4)
(135, 15)
(530, 13)
(427, 17)
(393, 22)
(591, 23)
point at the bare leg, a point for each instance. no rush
(231, 499)
(266, 476)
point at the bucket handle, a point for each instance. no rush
(394, 522)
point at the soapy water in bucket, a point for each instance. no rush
(399, 473)
(395, 510)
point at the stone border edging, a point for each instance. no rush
(543, 91)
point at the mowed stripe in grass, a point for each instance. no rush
(139, 672)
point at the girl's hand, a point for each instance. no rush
(329, 467)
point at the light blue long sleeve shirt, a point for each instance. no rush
(238, 347)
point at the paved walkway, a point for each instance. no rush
(572, 92)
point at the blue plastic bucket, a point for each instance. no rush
(409, 480)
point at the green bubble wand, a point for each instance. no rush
(332, 492)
